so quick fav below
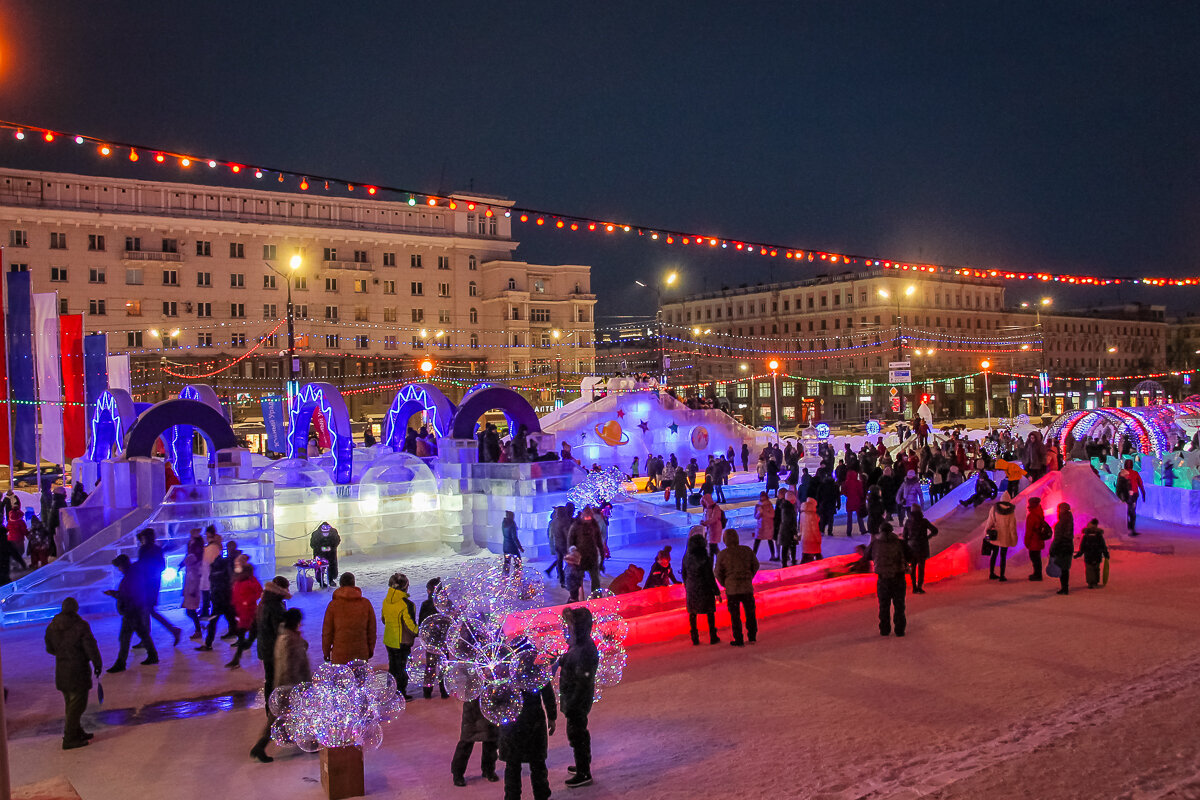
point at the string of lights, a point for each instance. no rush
(305, 180)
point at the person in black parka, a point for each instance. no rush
(526, 741)
(475, 727)
(917, 532)
(577, 690)
(700, 586)
(76, 658)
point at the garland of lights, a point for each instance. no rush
(572, 222)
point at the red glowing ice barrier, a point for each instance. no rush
(657, 615)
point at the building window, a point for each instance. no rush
(97, 275)
(331, 284)
(443, 262)
(743, 391)
(482, 224)
(414, 261)
(472, 289)
(269, 252)
(133, 244)
(18, 239)
(389, 343)
(389, 287)
(133, 276)
(96, 242)
(58, 274)
(330, 254)
(360, 286)
(300, 311)
(237, 310)
(360, 256)
(444, 317)
(133, 338)
(133, 308)
(170, 277)
(268, 281)
(539, 286)
(203, 309)
(362, 313)
(237, 280)
(170, 308)
(62, 306)
(443, 290)
(300, 282)
(332, 341)
(270, 311)
(170, 341)
(204, 279)
(492, 226)
(418, 314)
(237, 341)
(474, 316)
(204, 340)
(170, 245)
(417, 289)
(18, 268)
(472, 263)
(474, 339)
(389, 259)
(331, 312)
(203, 248)
(512, 284)
(58, 241)
(237, 250)
(539, 315)
(97, 308)
(969, 385)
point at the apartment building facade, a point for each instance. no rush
(193, 279)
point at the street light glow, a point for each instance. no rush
(884, 294)
(556, 333)
(295, 262)
(1047, 301)
(985, 364)
(671, 278)
(773, 364)
(909, 291)
(695, 331)
(742, 367)
(427, 366)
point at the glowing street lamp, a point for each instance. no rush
(987, 391)
(773, 365)
(426, 367)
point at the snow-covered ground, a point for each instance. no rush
(999, 690)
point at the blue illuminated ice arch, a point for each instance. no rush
(412, 399)
(475, 404)
(174, 416)
(323, 397)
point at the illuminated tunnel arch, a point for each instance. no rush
(475, 404)
(178, 413)
(1148, 426)
(113, 417)
(178, 441)
(411, 399)
(323, 397)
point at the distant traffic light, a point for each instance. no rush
(427, 366)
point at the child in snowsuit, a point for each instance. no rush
(572, 562)
(1094, 551)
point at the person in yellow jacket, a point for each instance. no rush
(1012, 474)
(399, 629)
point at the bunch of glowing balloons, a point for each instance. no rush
(344, 705)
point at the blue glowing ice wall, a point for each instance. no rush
(412, 399)
(112, 418)
(323, 397)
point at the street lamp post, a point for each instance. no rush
(774, 365)
(294, 265)
(885, 294)
(670, 280)
(987, 391)
(1037, 310)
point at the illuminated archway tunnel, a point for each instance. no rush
(1147, 426)
(475, 404)
(323, 397)
(412, 399)
(174, 415)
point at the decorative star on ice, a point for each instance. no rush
(674, 426)
(620, 413)
(645, 426)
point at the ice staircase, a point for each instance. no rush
(242, 510)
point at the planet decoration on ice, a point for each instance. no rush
(611, 433)
(700, 438)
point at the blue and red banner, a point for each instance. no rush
(18, 325)
(74, 398)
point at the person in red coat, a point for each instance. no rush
(856, 499)
(1036, 531)
(246, 591)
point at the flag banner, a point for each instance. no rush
(18, 329)
(5, 417)
(95, 371)
(118, 373)
(273, 413)
(46, 358)
(323, 440)
(70, 328)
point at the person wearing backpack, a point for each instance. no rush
(1129, 487)
(1094, 551)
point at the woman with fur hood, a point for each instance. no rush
(1002, 520)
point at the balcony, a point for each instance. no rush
(148, 255)
(353, 266)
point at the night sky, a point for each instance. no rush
(1048, 136)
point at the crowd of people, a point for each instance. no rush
(34, 535)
